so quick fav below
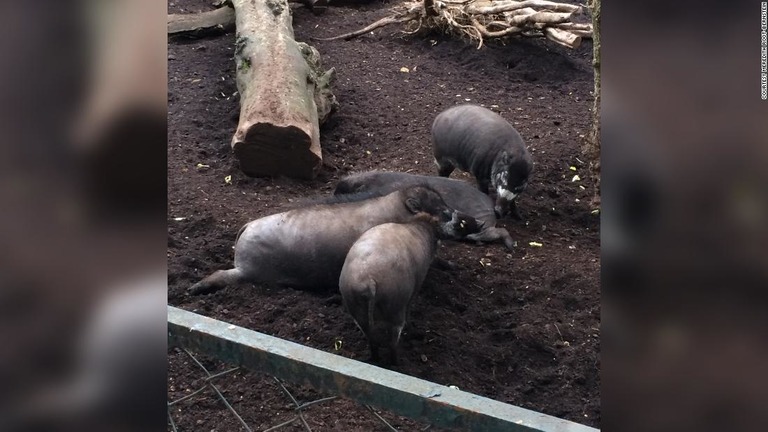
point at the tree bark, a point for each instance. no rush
(483, 8)
(592, 149)
(284, 94)
(198, 24)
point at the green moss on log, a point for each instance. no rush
(324, 98)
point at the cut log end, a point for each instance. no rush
(269, 150)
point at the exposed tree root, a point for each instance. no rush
(472, 19)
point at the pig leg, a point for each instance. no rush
(218, 280)
(374, 352)
(361, 305)
(358, 308)
(372, 345)
(494, 234)
(444, 168)
(442, 264)
(395, 332)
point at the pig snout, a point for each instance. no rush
(447, 215)
(460, 225)
(504, 207)
(509, 179)
(501, 208)
(506, 196)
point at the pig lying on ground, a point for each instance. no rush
(305, 248)
(457, 194)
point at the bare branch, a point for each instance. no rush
(495, 7)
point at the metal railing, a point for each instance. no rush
(366, 384)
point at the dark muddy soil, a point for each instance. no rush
(523, 330)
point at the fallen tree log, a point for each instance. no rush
(284, 94)
(221, 19)
(199, 24)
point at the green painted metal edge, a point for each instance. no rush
(401, 394)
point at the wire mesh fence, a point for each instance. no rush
(208, 395)
(240, 400)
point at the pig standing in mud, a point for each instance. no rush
(305, 248)
(383, 270)
(479, 141)
(457, 194)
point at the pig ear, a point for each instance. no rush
(413, 205)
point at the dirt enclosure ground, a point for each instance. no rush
(522, 330)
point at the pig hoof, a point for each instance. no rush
(443, 264)
(200, 288)
(334, 300)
